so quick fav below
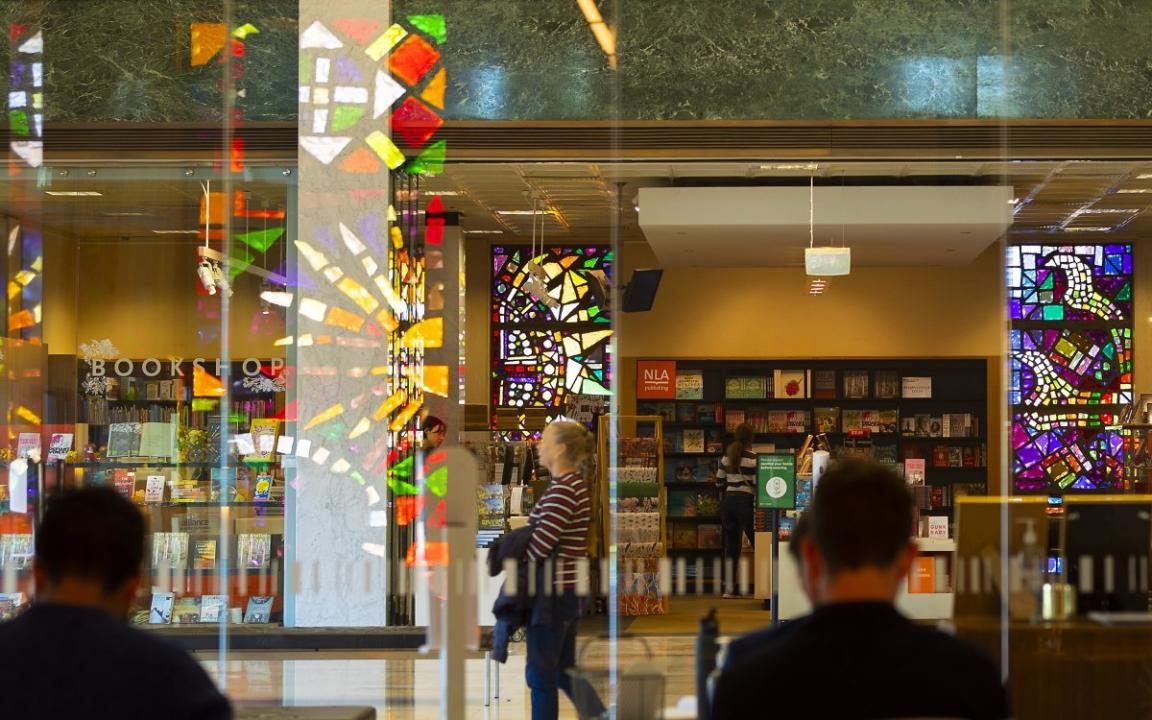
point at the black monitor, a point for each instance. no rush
(1106, 547)
(641, 290)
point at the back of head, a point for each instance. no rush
(91, 534)
(579, 444)
(861, 515)
(743, 435)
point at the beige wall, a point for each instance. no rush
(143, 297)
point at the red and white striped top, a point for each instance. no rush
(560, 523)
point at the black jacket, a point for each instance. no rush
(511, 611)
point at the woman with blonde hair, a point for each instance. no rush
(559, 522)
(737, 480)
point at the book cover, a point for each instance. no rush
(264, 434)
(923, 425)
(263, 488)
(968, 457)
(757, 417)
(689, 384)
(826, 420)
(186, 611)
(683, 536)
(213, 608)
(253, 550)
(889, 421)
(685, 413)
(694, 441)
(158, 440)
(886, 384)
(27, 444)
(856, 384)
(851, 420)
(936, 426)
(682, 503)
(152, 391)
(708, 536)
(746, 388)
(796, 421)
(161, 610)
(870, 420)
(259, 609)
(706, 470)
(732, 418)
(790, 384)
(824, 384)
(708, 414)
(15, 550)
(940, 456)
(708, 504)
(908, 426)
(914, 471)
(777, 421)
(666, 411)
(714, 442)
(684, 470)
(938, 527)
(58, 445)
(955, 457)
(922, 578)
(154, 490)
(166, 390)
(170, 550)
(204, 554)
(123, 439)
(916, 387)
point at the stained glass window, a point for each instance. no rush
(1071, 364)
(550, 329)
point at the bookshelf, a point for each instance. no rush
(640, 517)
(860, 406)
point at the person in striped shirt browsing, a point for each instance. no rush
(737, 480)
(559, 522)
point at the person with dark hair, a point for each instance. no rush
(435, 430)
(73, 653)
(736, 478)
(855, 655)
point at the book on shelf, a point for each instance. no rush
(914, 471)
(797, 421)
(777, 421)
(826, 419)
(922, 578)
(123, 439)
(213, 608)
(958, 425)
(154, 489)
(682, 503)
(824, 384)
(855, 384)
(253, 550)
(264, 434)
(709, 536)
(186, 611)
(938, 527)
(923, 425)
(968, 457)
(790, 384)
(908, 426)
(746, 387)
(889, 420)
(259, 609)
(59, 444)
(939, 456)
(693, 441)
(151, 390)
(709, 413)
(170, 550)
(886, 384)
(683, 536)
(262, 491)
(124, 480)
(732, 418)
(158, 440)
(940, 497)
(714, 442)
(758, 418)
(204, 554)
(870, 421)
(708, 504)
(689, 384)
(955, 456)
(916, 387)
(160, 612)
(16, 550)
(935, 426)
(27, 444)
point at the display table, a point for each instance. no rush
(793, 601)
(1066, 671)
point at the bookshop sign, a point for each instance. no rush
(656, 379)
(152, 367)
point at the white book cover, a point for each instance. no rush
(59, 445)
(259, 609)
(154, 490)
(914, 469)
(161, 612)
(938, 527)
(916, 387)
(213, 608)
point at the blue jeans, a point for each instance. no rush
(551, 652)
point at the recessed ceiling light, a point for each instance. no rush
(74, 193)
(124, 214)
(483, 232)
(1144, 176)
(176, 232)
(1092, 228)
(1134, 190)
(441, 193)
(522, 212)
(791, 166)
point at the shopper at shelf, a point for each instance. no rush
(73, 653)
(559, 522)
(855, 655)
(435, 430)
(736, 478)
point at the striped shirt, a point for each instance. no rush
(560, 524)
(741, 481)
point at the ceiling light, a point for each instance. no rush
(73, 193)
(791, 166)
(176, 232)
(1144, 176)
(483, 232)
(1134, 190)
(441, 193)
(1108, 211)
(124, 214)
(522, 212)
(1092, 228)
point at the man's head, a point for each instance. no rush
(89, 550)
(859, 545)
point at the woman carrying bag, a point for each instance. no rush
(737, 480)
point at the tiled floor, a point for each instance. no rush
(406, 685)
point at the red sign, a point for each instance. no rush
(656, 380)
